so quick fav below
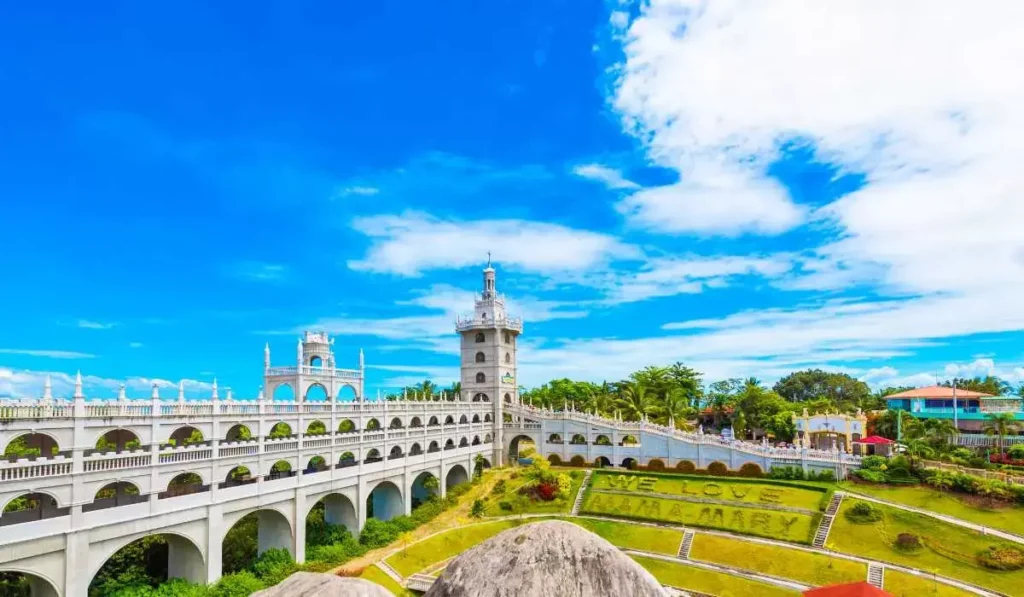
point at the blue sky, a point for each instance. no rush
(657, 182)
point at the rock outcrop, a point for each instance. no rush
(311, 584)
(545, 559)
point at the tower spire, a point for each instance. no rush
(78, 385)
(47, 388)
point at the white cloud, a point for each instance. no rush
(364, 191)
(691, 274)
(260, 271)
(49, 354)
(94, 325)
(410, 243)
(611, 177)
(135, 345)
(889, 376)
(23, 383)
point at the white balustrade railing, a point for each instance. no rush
(26, 469)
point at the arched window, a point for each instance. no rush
(508, 358)
(480, 358)
(507, 337)
(480, 337)
(481, 397)
(508, 398)
(480, 377)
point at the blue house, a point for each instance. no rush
(968, 409)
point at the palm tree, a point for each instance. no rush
(675, 406)
(634, 400)
(1000, 425)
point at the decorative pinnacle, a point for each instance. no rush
(214, 396)
(260, 395)
(181, 389)
(47, 389)
(488, 259)
(78, 385)
(156, 392)
(121, 394)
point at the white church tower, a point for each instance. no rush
(489, 338)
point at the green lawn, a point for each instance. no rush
(1010, 519)
(786, 526)
(748, 492)
(949, 550)
(808, 568)
(519, 504)
(633, 536)
(686, 577)
(376, 575)
(901, 584)
(426, 553)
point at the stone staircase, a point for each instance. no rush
(579, 494)
(685, 545)
(826, 521)
(391, 572)
(876, 575)
(420, 582)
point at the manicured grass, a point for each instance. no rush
(716, 488)
(901, 584)
(808, 568)
(376, 575)
(1010, 519)
(633, 536)
(520, 504)
(685, 577)
(786, 526)
(948, 549)
(439, 548)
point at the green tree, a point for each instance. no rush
(1000, 425)
(845, 392)
(986, 385)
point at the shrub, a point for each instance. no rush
(907, 542)
(554, 459)
(578, 460)
(239, 584)
(478, 509)
(1016, 451)
(499, 488)
(1002, 557)
(274, 565)
(791, 473)
(685, 466)
(717, 468)
(863, 513)
(378, 533)
(873, 462)
(899, 462)
(547, 491)
(655, 465)
(872, 476)
(505, 505)
(826, 476)
(751, 470)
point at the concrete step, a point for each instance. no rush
(876, 575)
(576, 505)
(685, 545)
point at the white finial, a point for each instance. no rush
(298, 352)
(404, 394)
(47, 388)
(229, 397)
(488, 259)
(362, 363)
(214, 394)
(78, 385)
(259, 396)
(266, 356)
(120, 393)
(156, 392)
(181, 389)
(378, 394)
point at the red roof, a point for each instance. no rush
(937, 392)
(874, 439)
(857, 589)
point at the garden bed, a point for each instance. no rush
(809, 568)
(709, 582)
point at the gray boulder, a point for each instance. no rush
(312, 584)
(545, 559)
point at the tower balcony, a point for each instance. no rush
(463, 324)
(346, 374)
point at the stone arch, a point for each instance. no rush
(347, 459)
(480, 337)
(433, 447)
(602, 440)
(449, 420)
(415, 450)
(117, 493)
(481, 377)
(506, 337)
(487, 438)
(39, 585)
(30, 506)
(316, 464)
(185, 557)
(316, 392)
(32, 443)
(316, 427)
(372, 425)
(238, 432)
(347, 426)
(316, 361)
(185, 483)
(481, 397)
(285, 392)
(450, 444)
(273, 531)
(346, 393)
(476, 418)
(396, 423)
(480, 357)
(555, 459)
(555, 438)
(515, 447)
(655, 464)
(373, 455)
(418, 491)
(118, 439)
(629, 463)
(281, 469)
(578, 439)
(338, 510)
(186, 435)
(395, 452)
(602, 462)
(385, 501)
(463, 420)
(629, 440)
(508, 398)
(456, 475)
(463, 442)
(240, 475)
(280, 429)
(416, 422)
(476, 441)
(432, 422)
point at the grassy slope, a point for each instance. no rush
(1009, 519)
(706, 581)
(874, 540)
(376, 575)
(901, 584)
(633, 536)
(446, 545)
(801, 566)
(524, 505)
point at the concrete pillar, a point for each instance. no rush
(361, 503)
(76, 565)
(273, 532)
(184, 560)
(37, 587)
(214, 541)
(299, 548)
